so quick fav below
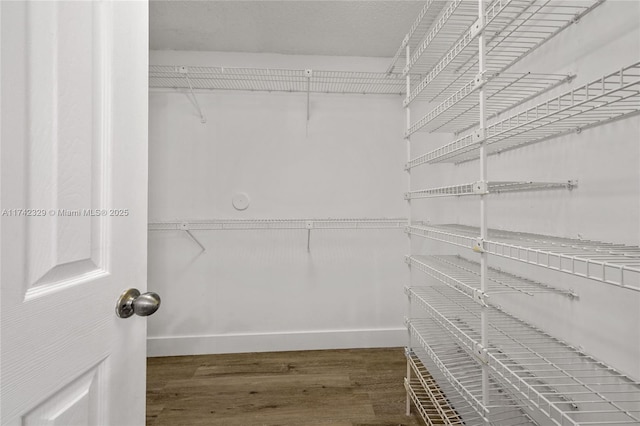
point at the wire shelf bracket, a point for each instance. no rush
(185, 71)
(184, 226)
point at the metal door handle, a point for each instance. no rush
(132, 302)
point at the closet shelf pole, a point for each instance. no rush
(408, 147)
(484, 270)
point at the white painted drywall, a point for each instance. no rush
(605, 320)
(262, 290)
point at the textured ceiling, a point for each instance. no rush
(341, 28)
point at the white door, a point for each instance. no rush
(73, 145)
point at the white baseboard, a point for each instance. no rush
(273, 342)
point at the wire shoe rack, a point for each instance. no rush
(566, 384)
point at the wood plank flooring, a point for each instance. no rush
(354, 387)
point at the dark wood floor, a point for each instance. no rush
(337, 387)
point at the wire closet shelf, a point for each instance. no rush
(435, 13)
(512, 28)
(275, 80)
(478, 188)
(504, 91)
(266, 224)
(613, 96)
(614, 264)
(464, 275)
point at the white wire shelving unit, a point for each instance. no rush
(470, 361)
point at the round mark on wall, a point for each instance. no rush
(240, 201)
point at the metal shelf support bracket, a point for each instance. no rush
(185, 227)
(481, 188)
(480, 297)
(479, 80)
(185, 70)
(480, 353)
(308, 73)
(479, 135)
(476, 28)
(309, 226)
(478, 245)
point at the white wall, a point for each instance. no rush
(261, 290)
(605, 320)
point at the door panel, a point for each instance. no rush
(74, 156)
(78, 403)
(67, 142)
